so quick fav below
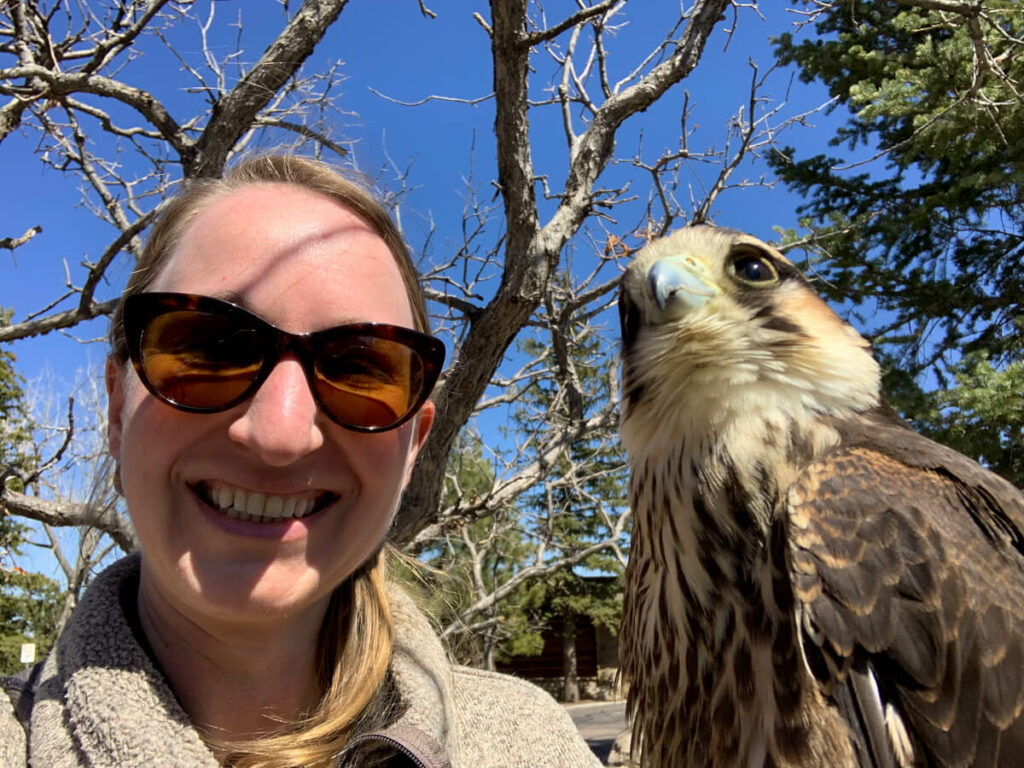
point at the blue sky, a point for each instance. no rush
(390, 48)
(401, 54)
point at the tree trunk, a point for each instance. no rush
(571, 686)
(489, 644)
(489, 657)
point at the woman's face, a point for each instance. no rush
(303, 263)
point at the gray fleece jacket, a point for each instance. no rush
(100, 701)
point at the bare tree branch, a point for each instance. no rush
(532, 252)
(572, 21)
(48, 84)
(237, 110)
(526, 574)
(60, 513)
(10, 243)
(52, 72)
(54, 322)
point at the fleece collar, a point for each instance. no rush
(102, 701)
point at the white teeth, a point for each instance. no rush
(273, 506)
(255, 504)
(224, 497)
(260, 507)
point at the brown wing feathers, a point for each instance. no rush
(888, 560)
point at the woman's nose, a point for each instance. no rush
(280, 422)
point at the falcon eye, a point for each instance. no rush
(753, 269)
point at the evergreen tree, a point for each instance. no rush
(469, 562)
(983, 415)
(570, 509)
(29, 602)
(571, 599)
(930, 248)
(582, 485)
(29, 607)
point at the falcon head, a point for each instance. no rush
(718, 327)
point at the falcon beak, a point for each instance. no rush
(680, 284)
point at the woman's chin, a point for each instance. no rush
(246, 591)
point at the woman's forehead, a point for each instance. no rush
(296, 252)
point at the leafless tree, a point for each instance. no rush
(62, 69)
(72, 440)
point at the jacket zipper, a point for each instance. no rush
(399, 747)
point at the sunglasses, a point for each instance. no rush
(205, 355)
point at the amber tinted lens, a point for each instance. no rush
(368, 382)
(200, 359)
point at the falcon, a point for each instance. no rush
(810, 582)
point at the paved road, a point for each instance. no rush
(599, 723)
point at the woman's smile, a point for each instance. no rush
(260, 507)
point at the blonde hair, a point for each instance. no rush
(356, 637)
